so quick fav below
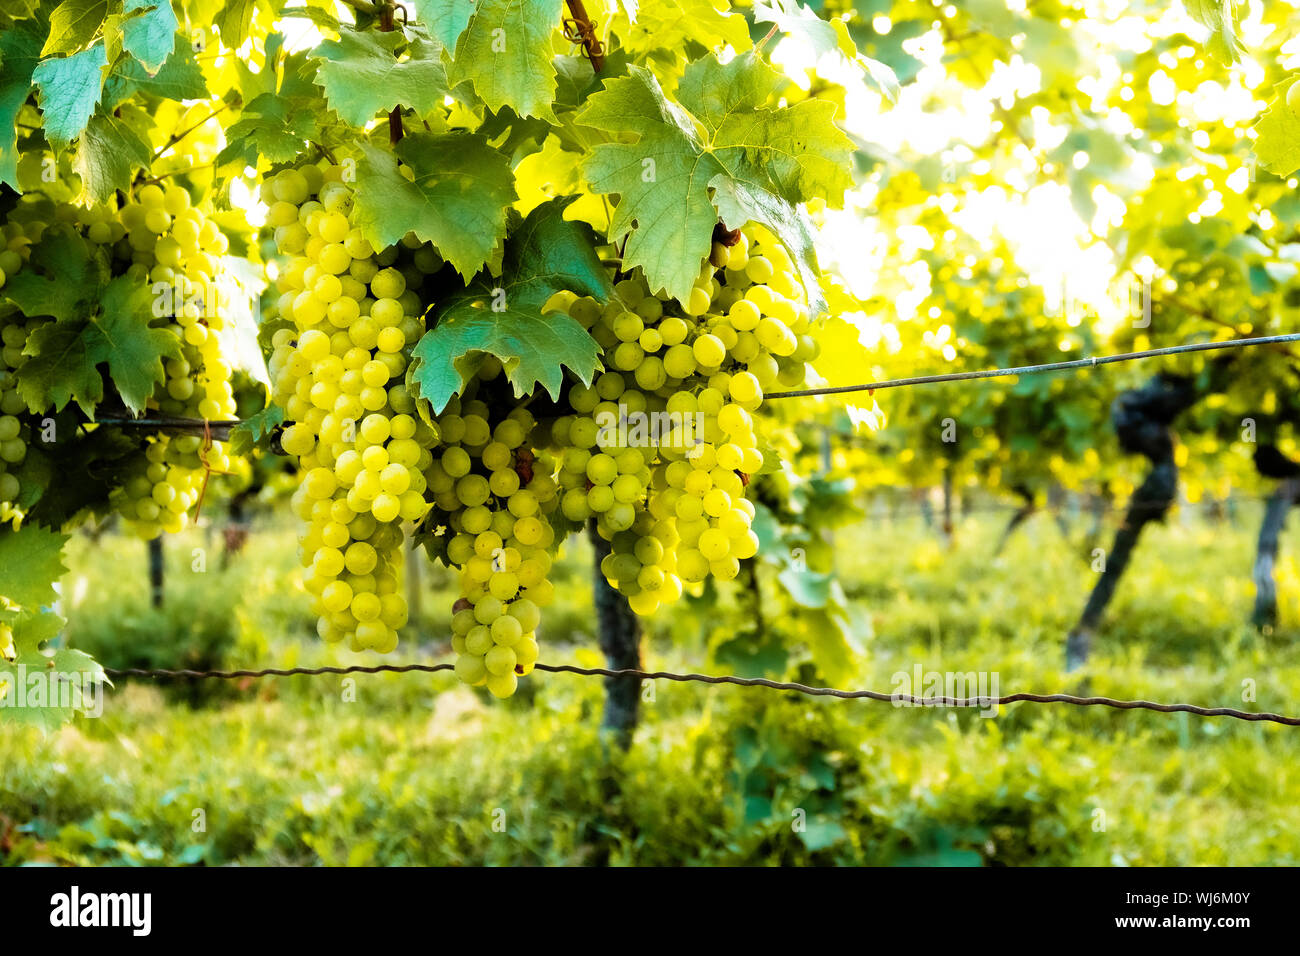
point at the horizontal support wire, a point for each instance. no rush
(981, 702)
(1039, 369)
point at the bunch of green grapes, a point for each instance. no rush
(15, 431)
(494, 494)
(660, 447)
(160, 239)
(173, 246)
(339, 374)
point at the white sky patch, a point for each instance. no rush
(937, 116)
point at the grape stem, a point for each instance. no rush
(584, 32)
(328, 154)
(175, 172)
(177, 137)
(395, 130)
(219, 430)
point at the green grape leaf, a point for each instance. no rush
(505, 52)
(1277, 134)
(233, 18)
(664, 209)
(150, 36)
(32, 558)
(73, 24)
(758, 160)
(361, 75)
(826, 38)
(270, 126)
(19, 52)
(1222, 18)
(122, 338)
(446, 19)
(739, 202)
(504, 318)
(180, 78)
(255, 431)
(108, 153)
(68, 92)
(61, 369)
(458, 199)
(47, 688)
(65, 278)
(798, 148)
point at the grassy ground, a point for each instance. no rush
(407, 769)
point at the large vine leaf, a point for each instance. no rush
(1277, 134)
(149, 37)
(95, 321)
(664, 209)
(32, 558)
(504, 318)
(270, 126)
(282, 110)
(505, 52)
(65, 280)
(20, 49)
(729, 156)
(47, 688)
(446, 19)
(31, 678)
(122, 338)
(73, 24)
(180, 78)
(60, 369)
(457, 200)
(108, 153)
(68, 92)
(362, 75)
(798, 148)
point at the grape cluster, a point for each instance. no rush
(494, 494)
(15, 432)
(160, 239)
(172, 245)
(660, 447)
(657, 449)
(350, 317)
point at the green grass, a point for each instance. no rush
(416, 769)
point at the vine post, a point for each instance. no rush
(1264, 615)
(620, 641)
(156, 571)
(1142, 418)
